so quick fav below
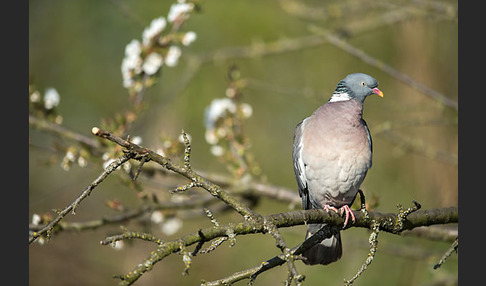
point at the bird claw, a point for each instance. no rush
(327, 208)
(347, 211)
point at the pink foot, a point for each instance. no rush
(327, 208)
(346, 210)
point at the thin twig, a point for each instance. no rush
(131, 235)
(84, 194)
(63, 132)
(336, 41)
(185, 171)
(371, 255)
(448, 253)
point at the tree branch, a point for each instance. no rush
(64, 132)
(185, 171)
(84, 194)
(345, 46)
(388, 222)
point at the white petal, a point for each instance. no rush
(217, 109)
(177, 9)
(172, 56)
(133, 49)
(171, 226)
(188, 38)
(152, 63)
(156, 27)
(51, 98)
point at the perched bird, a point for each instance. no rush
(332, 153)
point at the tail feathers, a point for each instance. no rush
(327, 251)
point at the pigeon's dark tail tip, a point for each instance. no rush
(327, 251)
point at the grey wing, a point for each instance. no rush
(299, 166)
(370, 141)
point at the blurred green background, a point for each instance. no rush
(77, 47)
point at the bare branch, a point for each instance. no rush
(190, 174)
(131, 235)
(371, 255)
(336, 41)
(62, 131)
(84, 194)
(448, 253)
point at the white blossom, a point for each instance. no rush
(171, 226)
(41, 240)
(127, 81)
(152, 63)
(70, 155)
(217, 150)
(58, 119)
(133, 49)
(177, 9)
(136, 140)
(188, 38)
(131, 63)
(132, 59)
(246, 110)
(211, 137)
(156, 27)
(82, 162)
(157, 217)
(35, 96)
(51, 98)
(36, 219)
(230, 92)
(172, 56)
(217, 109)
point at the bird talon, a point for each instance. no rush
(348, 212)
(327, 208)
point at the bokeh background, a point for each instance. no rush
(77, 47)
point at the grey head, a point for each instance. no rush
(356, 86)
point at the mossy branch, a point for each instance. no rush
(388, 223)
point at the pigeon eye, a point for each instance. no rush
(362, 83)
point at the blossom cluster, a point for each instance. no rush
(45, 105)
(223, 120)
(168, 225)
(74, 155)
(160, 45)
(40, 220)
(217, 119)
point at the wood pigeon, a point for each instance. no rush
(332, 153)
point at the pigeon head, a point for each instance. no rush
(356, 86)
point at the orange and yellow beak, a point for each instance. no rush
(377, 91)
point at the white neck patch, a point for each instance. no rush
(339, 97)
